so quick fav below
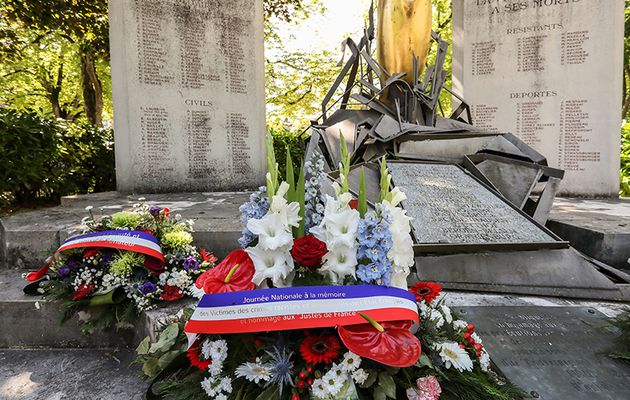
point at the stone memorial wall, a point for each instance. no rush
(550, 72)
(188, 92)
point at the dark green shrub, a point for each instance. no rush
(43, 159)
(283, 139)
(625, 161)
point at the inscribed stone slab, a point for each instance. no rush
(449, 206)
(553, 353)
(549, 71)
(188, 92)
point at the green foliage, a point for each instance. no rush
(624, 171)
(344, 165)
(622, 322)
(362, 200)
(45, 159)
(283, 140)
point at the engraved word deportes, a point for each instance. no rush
(299, 308)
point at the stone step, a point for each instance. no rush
(30, 322)
(28, 238)
(597, 228)
(79, 374)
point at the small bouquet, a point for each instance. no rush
(316, 306)
(127, 262)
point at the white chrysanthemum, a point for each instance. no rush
(454, 356)
(319, 389)
(208, 386)
(460, 325)
(254, 372)
(484, 361)
(339, 263)
(334, 381)
(215, 369)
(360, 376)
(350, 362)
(476, 338)
(437, 318)
(206, 349)
(226, 384)
(220, 396)
(423, 309)
(218, 351)
(272, 231)
(448, 316)
(273, 264)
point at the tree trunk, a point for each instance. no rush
(53, 90)
(92, 90)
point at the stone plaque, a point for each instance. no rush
(553, 353)
(188, 92)
(448, 206)
(549, 71)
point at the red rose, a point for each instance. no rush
(354, 204)
(82, 291)
(171, 293)
(308, 251)
(153, 264)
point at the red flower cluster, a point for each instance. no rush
(194, 355)
(308, 251)
(171, 293)
(317, 349)
(82, 291)
(469, 341)
(206, 256)
(426, 291)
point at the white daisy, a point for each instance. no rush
(319, 389)
(333, 381)
(454, 356)
(254, 372)
(350, 362)
(359, 376)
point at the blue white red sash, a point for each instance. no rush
(300, 307)
(136, 241)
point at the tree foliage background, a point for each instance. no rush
(54, 60)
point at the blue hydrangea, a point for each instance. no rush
(375, 241)
(256, 208)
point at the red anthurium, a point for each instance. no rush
(233, 274)
(388, 343)
(82, 291)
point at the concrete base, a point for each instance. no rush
(598, 228)
(27, 239)
(30, 322)
(69, 374)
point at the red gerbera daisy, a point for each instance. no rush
(317, 349)
(426, 291)
(196, 359)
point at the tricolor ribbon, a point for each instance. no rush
(136, 241)
(301, 307)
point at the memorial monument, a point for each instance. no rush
(549, 72)
(188, 93)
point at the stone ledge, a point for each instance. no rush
(28, 238)
(597, 228)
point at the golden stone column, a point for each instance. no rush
(403, 30)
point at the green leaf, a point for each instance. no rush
(272, 168)
(344, 168)
(271, 393)
(167, 339)
(385, 179)
(290, 178)
(151, 367)
(424, 361)
(362, 204)
(166, 358)
(300, 194)
(379, 394)
(386, 382)
(143, 347)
